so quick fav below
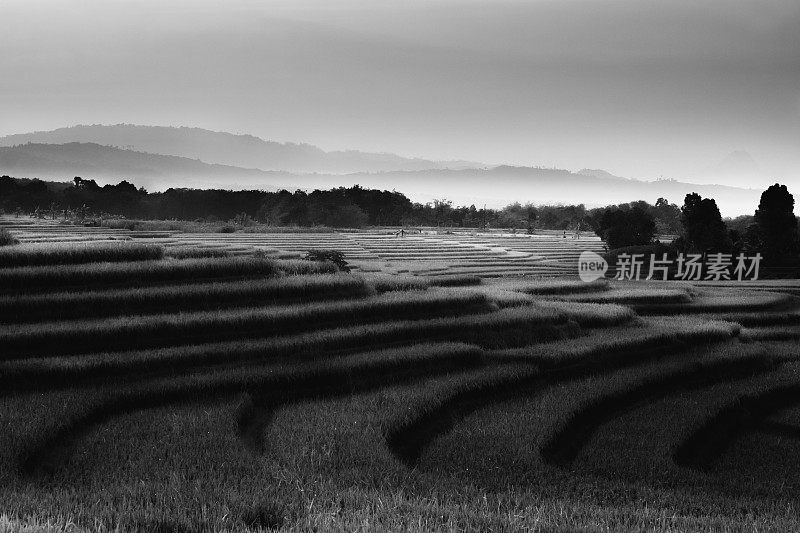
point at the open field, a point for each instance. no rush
(149, 385)
(431, 251)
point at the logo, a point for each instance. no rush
(591, 266)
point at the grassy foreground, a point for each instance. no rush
(253, 394)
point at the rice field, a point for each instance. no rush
(450, 382)
(428, 252)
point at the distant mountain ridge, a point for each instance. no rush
(245, 151)
(738, 169)
(495, 187)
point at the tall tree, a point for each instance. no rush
(704, 230)
(775, 232)
(625, 227)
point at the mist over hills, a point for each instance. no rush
(738, 169)
(223, 148)
(108, 164)
(499, 186)
(493, 187)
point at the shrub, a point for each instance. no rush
(6, 238)
(626, 227)
(657, 249)
(334, 256)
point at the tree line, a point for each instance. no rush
(340, 207)
(771, 231)
(696, 226)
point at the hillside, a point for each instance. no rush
(499, 186)
(228, 149)
(109, 164)
(495, 187)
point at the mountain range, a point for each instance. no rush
(223, 148)
(225, 166)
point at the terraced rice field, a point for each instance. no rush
(430, 253)
(144, 391)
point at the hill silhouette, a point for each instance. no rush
(223, 148)
(494, 187)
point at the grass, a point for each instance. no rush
(137, 273)
(592, 314)
(7, 238)
(190, 252)
(772, 333)
(734, 301)
(30, 255)
(633, 296)
(455, 280)
(506, 328)
(531, 371)
(566, 443)
(75, 337)
(553, 287)
(187, 226)
(272, 387)
(616, 344)
(183, 297)
(703, 447)
(386, 283)
(13, 525)
(162, 437)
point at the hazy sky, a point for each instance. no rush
(641, 88)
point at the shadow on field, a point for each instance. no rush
(566, 443)
(704, 446)
(267, 391)
(159, 526)
(408, 440)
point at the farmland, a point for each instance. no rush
(172, 381)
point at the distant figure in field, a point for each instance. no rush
(565, 234)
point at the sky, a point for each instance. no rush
(640, 88)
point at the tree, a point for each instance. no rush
(704, 230)
(346, 216)
(517, 215)
(667, 216)
(625, 227)
(442, 210)
(775, 233)
(334, 256)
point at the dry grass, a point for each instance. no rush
(74, 337)
(137, 273)
(70, 254)
(184, 297)
(7, 238)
